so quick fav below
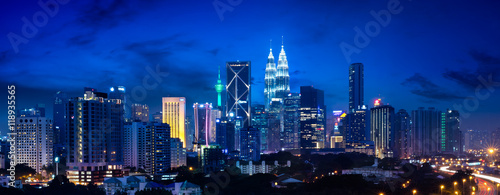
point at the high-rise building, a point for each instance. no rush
(239, 91)
(259, 121)
(212, 158)
(282, 76)
(134, 144)
(59, 126)
(250, 144)
(338, 140)
(174, 114)
(158, 117)
(177, 153)
(402, 133)
(202, 124)
(451, 138)
(140, 112)
(291, 119)
(219, 87)
(382, 121)
(275, 125)
(159, 149)
(270, 80)
(312, 118)
(118, 92)
(95, 131)
(34, 134)
(225, 134)
(356, 126)
(425, 129)
(356, 86)
(216, 113)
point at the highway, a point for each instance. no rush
(484, 182)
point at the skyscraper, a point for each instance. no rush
(225, 134)
(174, 114)
(382, 120)
(158, 153)
(239, 91)
(177, 153)
(451, 137)
(402, 134)
(134, 144)
(33, 140)
(140, 112)
(259, 121)
(356, 126)
(425, 129)
(118, 92)
(270, 80)
(282, 76)
(312, 118)
(59, 126)
(95, 133)
(219, 87)
(275, 123)
(202, 124)
(356, 86)
(250, 144)
(291, 118)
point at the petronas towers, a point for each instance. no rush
(277, 79)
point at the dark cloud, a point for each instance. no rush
(297, 72)
(422, 86)
(107, 14)
(214, 51)
(81, 40)
(486, 65)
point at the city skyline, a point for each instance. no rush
(408, 65)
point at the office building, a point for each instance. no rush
(451, 138)
(59, 127)
(425, 127)
(270, 80)
(402, 133)
(259, 121)
(118, 92)
(238, 91)
(291, 119)
(382, 121)
(134, 144)
(356, 127)
(338, 140)
(212, 158)
(202, 124)
(312, 118)
(225, 134)
(174, 114)
(250, 144)
(140, 112)
(178, 155)
(215, 114)
(34, 134)
(157, 117)
(282, 76)
(275, 125)
(356, 86)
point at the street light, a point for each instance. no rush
(454, 186)
(463, 185)
(442, 187)
(414, 191)
(57, 164)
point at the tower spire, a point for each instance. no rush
(219, 87)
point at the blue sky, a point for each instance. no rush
(430, 54)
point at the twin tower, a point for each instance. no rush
(277, 79)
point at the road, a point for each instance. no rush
(483, 181)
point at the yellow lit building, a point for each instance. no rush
(174, 114)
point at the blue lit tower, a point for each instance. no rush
(282, 76)
(219, 87)
(270, 79)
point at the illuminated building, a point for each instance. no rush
(382, 120)
(95, 133)
(225, 134)
(178, 156)
(312, 118)
(402, 134)
(270, 80)
(250, 144)
(158, 117)
(337, 140)
(140, 112)
(356, 126)
(174, 114)
(33, 139)
(356, 86)
(451, 138)
(118, 92)
(219, 87)
(202, 124)
(158, 148)
(291, 118)
(59, 127)
(238, 91)
(275, 125)
(216, 113)
(134, 144)
(259, 121)
(425, 127)
(282, 76)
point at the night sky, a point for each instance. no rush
(429, 54)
